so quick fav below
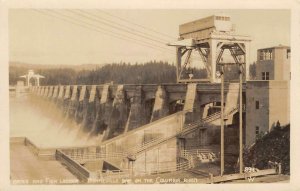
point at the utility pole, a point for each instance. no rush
(222, 120)
(235, 50)
(241, 117)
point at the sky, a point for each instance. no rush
(75, 37)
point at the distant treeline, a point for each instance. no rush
(153, 72)
(122, 73)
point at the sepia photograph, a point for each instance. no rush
(149, 96)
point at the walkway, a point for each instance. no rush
(26, 168)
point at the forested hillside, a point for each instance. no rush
(275, 147)
(153, 72)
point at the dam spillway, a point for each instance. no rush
(110, 110)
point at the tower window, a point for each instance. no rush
(266, 55)
(265, 75)
(288, 54)
(256, 130)
(257, 104)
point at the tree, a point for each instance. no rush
(151, 72)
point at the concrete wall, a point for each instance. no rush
(148, 159)
(265, 66)
(282, 64)
(274, 99)
(279, 102)
(80, 171)
(41, 152)
(164, 127)
(160, 158)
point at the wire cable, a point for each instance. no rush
(141, 26)
(100, 20)
(109, 31)
(98, 29)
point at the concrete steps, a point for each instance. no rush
(207, 157)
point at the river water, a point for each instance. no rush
(45, 126)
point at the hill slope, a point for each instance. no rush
(275, 147)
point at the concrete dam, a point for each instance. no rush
(144, 129)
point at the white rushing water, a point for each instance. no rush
(45, 126)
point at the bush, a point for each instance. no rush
(274, 146)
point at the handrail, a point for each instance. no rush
(206, 120)
(127, 172)
(87, 156)
(144, 126)
(185, 153)
(189, 127)
(80, 170)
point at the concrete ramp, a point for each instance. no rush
(148, 141)
(94, 165)
(25, 165)
(166, 127)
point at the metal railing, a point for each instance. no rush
(210, 118)
(195, 152)
(127, 173)
(188, 128)
(89, 156)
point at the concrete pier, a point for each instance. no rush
(161, 108)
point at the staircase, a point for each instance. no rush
(207, 157)
(81, 157)
(196, 156)
(186, 129)
(193, 126)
